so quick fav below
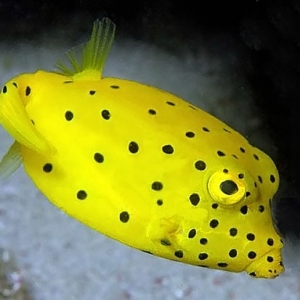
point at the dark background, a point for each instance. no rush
(268, 30)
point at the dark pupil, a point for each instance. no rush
(228, 187)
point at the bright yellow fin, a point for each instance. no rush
(93, 55)
(11, 161)
(15, 120)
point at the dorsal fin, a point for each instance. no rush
(93, 54)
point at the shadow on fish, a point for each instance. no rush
(141, 165)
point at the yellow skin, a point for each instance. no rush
(144, 167)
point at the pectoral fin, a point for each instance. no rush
(17, 123)
(11, 161)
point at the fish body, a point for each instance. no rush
(146, 168)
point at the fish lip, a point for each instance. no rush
(269, 265)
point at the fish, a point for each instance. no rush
(141, 165)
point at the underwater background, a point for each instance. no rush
(239, 60)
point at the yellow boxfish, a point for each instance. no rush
(141, 165)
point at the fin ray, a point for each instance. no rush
(94, 53)
(11, 161)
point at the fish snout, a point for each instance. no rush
(268, 266)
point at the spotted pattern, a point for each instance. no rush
(200, 165)
(133, 147)
(192, 233)
(47, 168)
(178, 254)
(124, 216)
(27, 90)
(168, 149)
(152, 112)
(203, 241)
(190, 134)
(98, 157)
(69, 115)
(195, 198)
(105, 114)
(159, 202)
(81, 195)
(157, 186)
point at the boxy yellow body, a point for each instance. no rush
(143, 166)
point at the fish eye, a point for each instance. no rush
(229, 187)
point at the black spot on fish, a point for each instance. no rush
(244, 209)
(194, 199)
(98, 157)
(133, 147)
(27, 91)
(203, 256)
(165, 242)
(148, 252)
(157, 186)
(105, 114)
(250, 237)
(47, 168)
(159, 202)
(69, 115)
(272, 178)
(178, 254)
(215, 205)
(251, 254)
(152, 112)
(220, 153)
(92, 93)
(115, 87)
(270, 242)
(192, 107)
(203, 241)
(205, 129)
(213, 223)
(232, 253)
(255, 156)
(200, 165)
(124, 216)
(222, 265)
(192, 233)
(81, 195)
(168, 149)
(170, 103)
(4, 90)
(233, 231)
(190, 134)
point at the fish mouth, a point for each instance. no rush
(268, 266)
(14, 118)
